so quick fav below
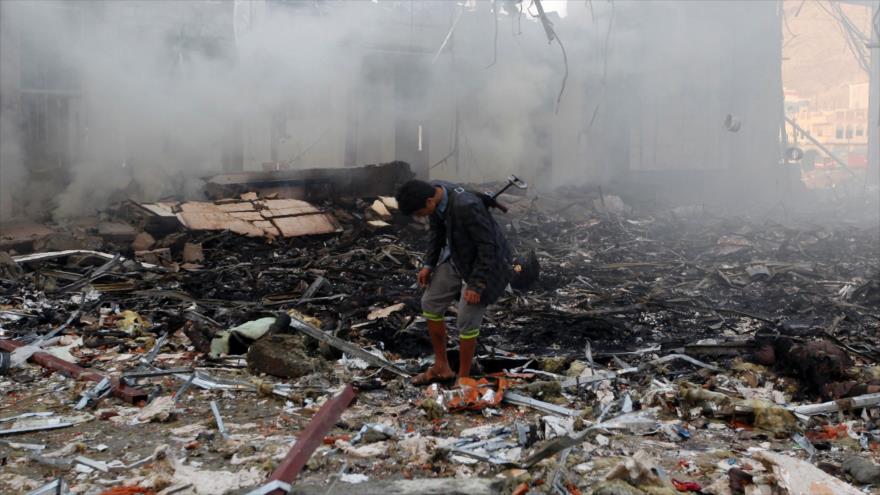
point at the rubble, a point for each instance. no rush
(862, 470)
(653, 354)
(283, 356)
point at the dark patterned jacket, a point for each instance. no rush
(480, 252)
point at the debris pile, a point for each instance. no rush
(218, 351)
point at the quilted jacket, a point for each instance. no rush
(479, 250)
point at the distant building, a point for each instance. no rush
(837, 118)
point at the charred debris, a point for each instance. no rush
(261, 342)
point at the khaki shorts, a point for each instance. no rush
(445, 286)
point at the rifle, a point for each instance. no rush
(491, 199)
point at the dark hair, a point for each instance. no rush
(413, 196)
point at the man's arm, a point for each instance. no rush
(478, 223)
(436, 240)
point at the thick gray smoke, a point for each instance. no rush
(166, 92)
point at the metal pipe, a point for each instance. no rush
(311, 437)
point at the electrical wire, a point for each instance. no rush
(495, 42)
(607, 39)
(549, 27)
(855, 39)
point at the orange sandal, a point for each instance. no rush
(428, 377)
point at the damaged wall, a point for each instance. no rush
(675, 70)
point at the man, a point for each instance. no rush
(467, 258)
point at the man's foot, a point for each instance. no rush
(432, 375)
(458, 381)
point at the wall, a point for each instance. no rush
(675, 70)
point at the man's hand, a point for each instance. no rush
(471, 296)
(424, 277)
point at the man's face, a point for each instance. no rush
(430, 206)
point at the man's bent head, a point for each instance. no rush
(418, 198)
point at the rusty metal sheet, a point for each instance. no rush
(306, 225)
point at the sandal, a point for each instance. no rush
(428, 377)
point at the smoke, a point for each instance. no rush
(170, 91)
(12, 171)
(167, 92)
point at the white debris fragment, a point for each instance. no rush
(419, 449)
(213, 482)
(385, 312)
(554, 426)
(377, 449)
(482, 431)
(353, 363)
(161, 409)
(353, 478)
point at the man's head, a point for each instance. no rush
(418, 198)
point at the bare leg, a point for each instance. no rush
(437, 330)
(467, 347)
(440, 371)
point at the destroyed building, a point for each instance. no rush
(207, 284)
(198, 88)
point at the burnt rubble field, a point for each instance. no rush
(660, 351)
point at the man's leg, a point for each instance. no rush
(467, 347)
(443, 288)
(437, 331)
(470, 317)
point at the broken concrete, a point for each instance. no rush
(193, 253)
(143, 242)
(282, 356)
(20, 236)
(862, 470)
